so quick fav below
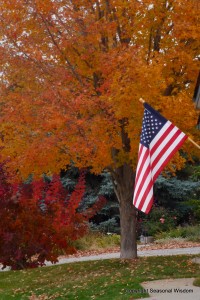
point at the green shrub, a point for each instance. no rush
(194, 205)
(191, 233)
(159, 220)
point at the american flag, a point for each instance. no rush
(159, 140)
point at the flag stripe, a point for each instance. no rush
(164, 138)
(148, 190)
(170, 154)
(159, 140)
(164, 151)
(160, 133)
(149, 205)
(141, 160)
(142, 170)
(148, 202)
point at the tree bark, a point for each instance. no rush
(128, 248)
(123, 178)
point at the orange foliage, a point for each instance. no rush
(73, 70)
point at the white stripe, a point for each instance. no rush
(167, 153)
(148, 179)
(160, 133)
(148, 199)
(141, 157)
(164, 142)
(145, 166)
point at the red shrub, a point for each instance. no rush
(37, 220)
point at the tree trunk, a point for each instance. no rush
(123, 178)
(128, 247)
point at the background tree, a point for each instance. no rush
(107, 219)
(72, 74)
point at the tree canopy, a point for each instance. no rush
(72, 72)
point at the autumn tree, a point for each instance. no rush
(72, 74)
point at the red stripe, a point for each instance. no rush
(149, 206)
(146, 155)
(162, 138)
(148, 170)
(139, 157)
(164, 149)
(148, 189)
(169, 157)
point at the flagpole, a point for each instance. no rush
(189, 139)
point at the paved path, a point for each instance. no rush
(160, 252)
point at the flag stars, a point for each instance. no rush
(151, 126)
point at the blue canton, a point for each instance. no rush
(151, 125)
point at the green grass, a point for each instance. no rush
(106, 279)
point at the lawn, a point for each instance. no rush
(107, 279)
